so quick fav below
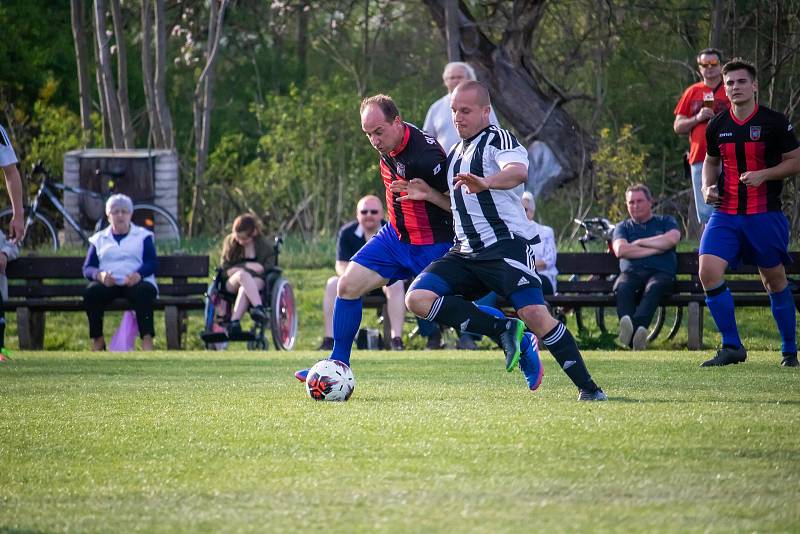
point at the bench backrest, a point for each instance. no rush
(34, 270)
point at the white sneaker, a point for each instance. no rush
(625, 330)
(640, 339)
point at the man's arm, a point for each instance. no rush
(629, 251)
(789, 166)
(664, 242)
(510, 177)
(419, 189)
(683, 125)
(711, 168)
(14, 186)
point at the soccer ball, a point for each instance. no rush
(330, 380)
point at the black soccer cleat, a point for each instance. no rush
(790, 360)
(509, 340)
(726, 356)
(592, 395)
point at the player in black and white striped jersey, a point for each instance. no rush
(493, 250)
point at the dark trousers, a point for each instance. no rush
(646, 287)
(142, 296)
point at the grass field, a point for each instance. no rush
(431, 441)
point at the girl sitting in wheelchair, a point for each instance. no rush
(247, 255)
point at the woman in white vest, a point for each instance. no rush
(121, 263)
(545, 250)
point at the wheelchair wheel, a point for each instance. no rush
(283, 315)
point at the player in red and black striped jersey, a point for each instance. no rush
(756, 149)
(419, 232)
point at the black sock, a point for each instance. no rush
(465, 316)
(562, 346)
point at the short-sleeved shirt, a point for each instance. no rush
(416, 221)
(350, 240)
(630, 231)
(690, 104)
(7, 155)
(756, 143)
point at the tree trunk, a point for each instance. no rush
(103, 114)
(717, 21)
(202, 110)
(78, 12)
(148, 82)
(122, 74)
(453, 30)
(107, 86)
(302, 41)
(557, 145)
(159, 90)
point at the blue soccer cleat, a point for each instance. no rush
(529, 362)
(301, 374)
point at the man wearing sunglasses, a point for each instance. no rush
(352, 236)
(699, 103)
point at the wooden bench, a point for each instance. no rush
(688, 290)
(56, 284)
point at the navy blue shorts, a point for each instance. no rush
(392, 259)
(507, 268)
(761, 239)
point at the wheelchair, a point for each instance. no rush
(278, 299)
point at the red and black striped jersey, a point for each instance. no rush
(756, 143)
(416, 221)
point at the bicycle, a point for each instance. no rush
(600, 228)
(41, 232)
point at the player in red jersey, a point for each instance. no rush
(756, 149)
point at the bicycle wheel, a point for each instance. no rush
(283, 315)
(40, 233)
(160, 222)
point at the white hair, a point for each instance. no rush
(466, 66)
(119, 201)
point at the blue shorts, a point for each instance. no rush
(392, 259)
(761, 239)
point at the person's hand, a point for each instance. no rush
(475, 184)
(414, 189)
(3, 262)
(16, 230)
(132, 279)
(711, 195)
(753, 178)
(705, 114)
(106, 278)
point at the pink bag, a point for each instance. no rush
(124, 339)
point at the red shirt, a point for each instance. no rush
(690, 103)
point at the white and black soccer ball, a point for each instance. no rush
(330, 380)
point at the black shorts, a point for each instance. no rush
(507, 268)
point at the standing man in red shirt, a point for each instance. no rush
(699, 103)
(756, 149)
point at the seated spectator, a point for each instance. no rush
(246, 257)
(121, 263)
(8, 252)
(645, 245)
(352, 236)
(544, 251)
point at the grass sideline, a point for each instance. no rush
(437, 442)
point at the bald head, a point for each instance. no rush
(481, 93)
(471, 108)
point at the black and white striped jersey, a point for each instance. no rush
(7, 155)
(493, 215)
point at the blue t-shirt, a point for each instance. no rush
(630, 231)
(350, 240)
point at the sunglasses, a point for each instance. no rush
(371, 212)
(709, 64)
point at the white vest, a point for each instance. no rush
(125, 257)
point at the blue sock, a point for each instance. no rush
(720, 303)
(346, 320)
(782, 304)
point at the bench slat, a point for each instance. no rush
(62, 267)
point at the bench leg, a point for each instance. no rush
(695, 326)
(172, 323)
(30, 329)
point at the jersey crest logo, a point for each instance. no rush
(401, 170)
(755, 133)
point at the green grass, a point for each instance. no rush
(439, 442)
